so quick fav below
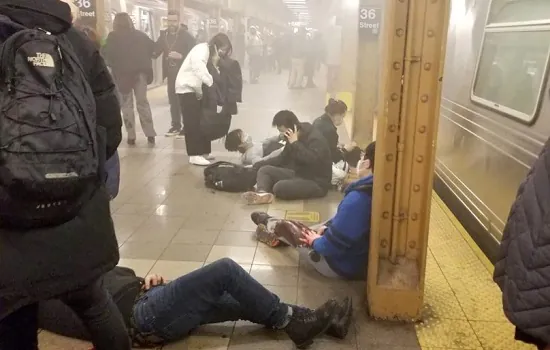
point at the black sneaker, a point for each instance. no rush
(172, 132)
(340, 326)
(306, 324)
(260, 217)
(151, 140)
(181, 135)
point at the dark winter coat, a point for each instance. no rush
(182, 42)
(129, 53)
(309, 157)
(44, 263)
(523, 268)
(326, 127)
(231, 74)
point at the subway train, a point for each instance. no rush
(495, 110)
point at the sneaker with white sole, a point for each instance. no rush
(181, 135)
(199, 160)
(172, 132)
(209, 157)
(258, 198)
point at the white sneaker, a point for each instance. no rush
(209, 157)
(199, 160)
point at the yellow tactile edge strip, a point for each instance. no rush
(475, 248)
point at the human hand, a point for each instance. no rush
(153, 281)
(291, 135)
(309, 236)
(199, 95)
(175, 55)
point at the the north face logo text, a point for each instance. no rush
(42, 60)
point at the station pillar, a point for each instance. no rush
(414, 42)
(178, 6)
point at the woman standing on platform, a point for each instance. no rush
(523, 268)
(189, 82)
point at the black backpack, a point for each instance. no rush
(229, 177)
(49, 153)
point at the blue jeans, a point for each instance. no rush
(222, 291)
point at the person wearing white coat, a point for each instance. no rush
(189, 81)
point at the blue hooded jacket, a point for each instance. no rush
(345, 242)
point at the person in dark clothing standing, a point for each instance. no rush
(174, 45)
(302, 171)
(129, 52)
(65, 261)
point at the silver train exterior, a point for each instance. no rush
(495, 110)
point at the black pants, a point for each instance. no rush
(175, 110)
(195, 141)
(92, 304)
(284, 184)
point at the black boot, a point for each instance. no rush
(340, 325)
(306, 324)
(260, 218)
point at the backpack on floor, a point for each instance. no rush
(229, 177)
(49, 153)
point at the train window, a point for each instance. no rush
(508, 11)
(510, 72)
(514, 58)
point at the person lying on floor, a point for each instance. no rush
(339, 248)
(253, 152)
(157, 313)
(303, 170)
(344, 157)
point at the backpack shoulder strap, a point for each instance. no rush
(365, 188)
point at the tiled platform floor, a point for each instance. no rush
(167, 222)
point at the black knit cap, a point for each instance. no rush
(54, 8)
(52, 15)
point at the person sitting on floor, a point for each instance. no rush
(344, 157)
(157, 312)
(252, 152)
(339, 248)
(303, 170)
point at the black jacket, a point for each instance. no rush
(522, 270)
(182, 42)
(129, 54)
(309, 157)
(327, 128)
(43, 263)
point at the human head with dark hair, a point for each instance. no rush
(286, 120)
(122, 22)
(336, 110)
(220, 47)
(173, 21)
(238, 141)
(90, 33)
(366, 165)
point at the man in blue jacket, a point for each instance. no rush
(340, 247)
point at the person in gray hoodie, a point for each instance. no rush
(253, 152)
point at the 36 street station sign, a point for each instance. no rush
(369, 21)
(88, 12)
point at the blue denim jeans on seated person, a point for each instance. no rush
(219, 292)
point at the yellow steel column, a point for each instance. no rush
(415, 35)
(370, 20)
(347, 70)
